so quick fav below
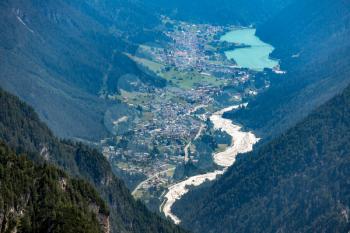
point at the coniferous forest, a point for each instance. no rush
(298, 182)
(22, 130)
(157, 116)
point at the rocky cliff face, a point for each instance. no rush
(14, 213)
(105, 223)
(103, 219)
(42, 198)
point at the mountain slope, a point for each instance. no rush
(21, 128)
(296, 183)
(60, 56)
(312, 40)
(41, 198)
(234, 12)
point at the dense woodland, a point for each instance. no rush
(41, 198)
(222, 12)
(67, 53)
(22, 130)
(299, 181)
(77, 49)
(312, 42)
(54, 55)
(296, 183)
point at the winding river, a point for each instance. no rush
(241, 142)
(256, 56)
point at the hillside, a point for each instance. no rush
(22, 130)
(222, 12)
(296, 183)
(60, 56)
(312, 41)
(41, 198)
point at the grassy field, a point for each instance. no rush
(181, 79)
(151, 65)
(189, 80)
(135, 98)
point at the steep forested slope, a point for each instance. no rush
(21, 128)
(41, 198)
(238, 12)
(59, 56)
(312, 40)
(299, 182)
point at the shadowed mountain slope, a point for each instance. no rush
(234, 12)
(22, 130)
(312, 40)
(296, 183)
(41, 198)
(60, 56)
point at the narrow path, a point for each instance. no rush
(199, 131)
(150, 178)
(186, 149)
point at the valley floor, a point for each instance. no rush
(175, 137)
(242, 142)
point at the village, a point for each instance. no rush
(158, 137)
(194, 47)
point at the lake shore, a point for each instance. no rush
(256, 54)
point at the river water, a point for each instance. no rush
(241, 142)
(254, 57)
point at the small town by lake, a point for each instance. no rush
(164, 150)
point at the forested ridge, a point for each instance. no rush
(64, 57)
(298, 182)
(221, 12)
(41, 198)
(60, 56)
(311, 40)
(21, 128)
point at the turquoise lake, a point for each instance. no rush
(256, 57)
